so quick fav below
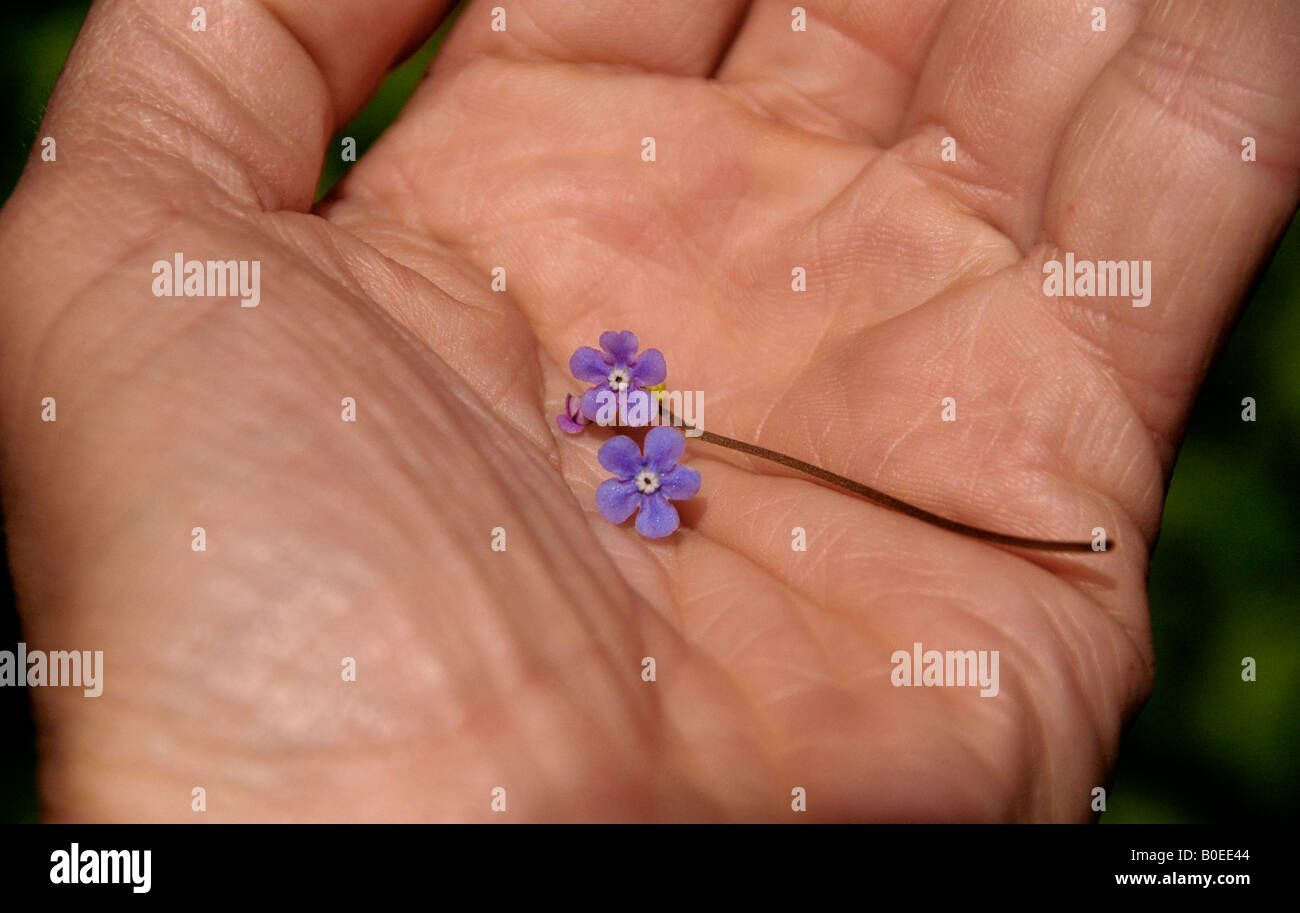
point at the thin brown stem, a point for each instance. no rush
(879, 497)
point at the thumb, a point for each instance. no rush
(170, 110)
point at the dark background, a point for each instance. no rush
(1208, 747)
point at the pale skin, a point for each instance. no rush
(371, 540)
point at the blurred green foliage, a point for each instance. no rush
(1224, 585)
(1208, 746)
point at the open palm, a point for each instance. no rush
(774, 149)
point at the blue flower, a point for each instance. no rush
(572, 421)
(618, 369)
(646, 483)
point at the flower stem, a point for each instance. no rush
(884, 500)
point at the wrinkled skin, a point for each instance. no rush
(522, 668)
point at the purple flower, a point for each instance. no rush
(646, 483)
(572, 421)
(618, 370)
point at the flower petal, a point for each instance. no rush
(572, 421)
(617, 499)
(621, 456)
(568, 425)
(573, 406)
(658, 518)
(650, 368)
(600, 405)
(589, 365)
(680, 483)
(664, 446)
(621, 347)
(639, 409)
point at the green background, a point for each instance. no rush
(1208, 746)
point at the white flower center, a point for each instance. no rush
(619, 378)
(647, 482)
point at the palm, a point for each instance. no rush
(523, 668)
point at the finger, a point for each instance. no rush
(355, 44)
(160, 114)
(242, 100)
(850, 74)
(1152, 168)
(681, 37)
(1002, 82)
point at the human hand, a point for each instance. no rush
(775, 149)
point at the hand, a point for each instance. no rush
(774, 149)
